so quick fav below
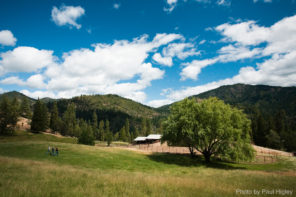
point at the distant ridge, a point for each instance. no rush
(268, 99)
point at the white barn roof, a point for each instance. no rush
(153, 137)
(140, 139)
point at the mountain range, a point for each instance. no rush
(268, 99)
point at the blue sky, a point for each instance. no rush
(152, 51)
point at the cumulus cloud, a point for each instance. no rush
(102, 69)
(25, 59)
(277, 69)
(180, 50)
(167, 61)
(34, 81)
(7, 38)
(67, 15)
(244, 37)
(280, 70)
(193, 68)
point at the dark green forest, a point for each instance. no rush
(272, 111)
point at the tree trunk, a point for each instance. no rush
(191, 149)
(207, 156)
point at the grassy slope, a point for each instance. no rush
(26, 170)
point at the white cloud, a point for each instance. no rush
(171, 5)
(105, 68)
(180, 50)
(116, 6)
(245, 33)
(193, 68)
(280, 70)
(34, 81)
(167, 61)
(7, 38)
(25, 59)
(232, 53)
(13, 80)
(280, 38)
(67, 15)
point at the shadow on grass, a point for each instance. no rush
(188, 161)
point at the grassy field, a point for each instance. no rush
(79, 170)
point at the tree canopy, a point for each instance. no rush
(211, 127)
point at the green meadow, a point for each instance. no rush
(27, 170)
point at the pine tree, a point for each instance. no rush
(54, 118)
(136, 134)
(148, 131)
(101, 131)
(107, 127)
(143, 127)
(109, 138)
(8, 117)
(127, 131)
(25, 109)
(95, 120)
(40, 117)
(15, 107)
(86, 136)
(122, 134)
(69, 119)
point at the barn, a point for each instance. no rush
(150, 139)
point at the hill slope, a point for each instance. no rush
(268, 99)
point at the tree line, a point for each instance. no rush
(67, 123)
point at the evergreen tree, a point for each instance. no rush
(40, 117)
(107, 128)
(127, 130)
(273, 140)
(101, 131)
(116, 136)
(95, 120)
(109, 138)
(54, 118)
(149, 127)
(15, 106)
(95, 125)
(8, 117)
(122, 134)
(143, 127)
(69, 119)
(25, 109)
(77, 130)
(86, 136)
(136, 133)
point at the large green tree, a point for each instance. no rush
(86, 136)
(25, 108)
(211, 127)
(54, 118)
(40, 117)
(8, 117)
(69, 118)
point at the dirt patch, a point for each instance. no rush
(23, 124)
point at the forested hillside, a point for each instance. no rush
(271, 109)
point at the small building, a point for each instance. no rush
(150, 139)
(153, 138)
(140, 140)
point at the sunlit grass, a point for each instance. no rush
(79, 170)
